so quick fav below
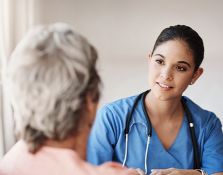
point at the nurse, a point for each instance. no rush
(159, 140)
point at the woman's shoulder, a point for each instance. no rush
(116, 111)
(201, 116)
(122, 104)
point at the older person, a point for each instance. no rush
(54, 88)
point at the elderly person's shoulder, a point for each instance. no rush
(56, 158)
(47, 160)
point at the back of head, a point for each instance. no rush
(186, 34)
(49, 74)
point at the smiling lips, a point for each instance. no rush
(164, 86)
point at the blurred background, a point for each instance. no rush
(123, 31)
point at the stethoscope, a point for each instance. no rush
(149, 133)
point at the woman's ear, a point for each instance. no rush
(149, 56)
(91, 104)
(197, 74)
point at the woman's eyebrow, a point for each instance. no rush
(184, 62)
(160, 55)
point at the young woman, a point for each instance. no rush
(160, 131)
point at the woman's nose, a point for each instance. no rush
(167, 74)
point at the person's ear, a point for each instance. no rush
(196, 75)
(91, 104)
(149, 56)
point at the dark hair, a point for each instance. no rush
(188, 35)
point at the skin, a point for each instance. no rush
(84, 131)
(171, 71)
(78, 141)
(173, 171)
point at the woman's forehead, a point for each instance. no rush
(174, 49)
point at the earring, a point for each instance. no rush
(191, 82)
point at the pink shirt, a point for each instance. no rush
(53, 161)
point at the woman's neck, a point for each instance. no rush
(68, 143)
(163, 110)
(76, 142)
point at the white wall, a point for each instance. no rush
(125, 30)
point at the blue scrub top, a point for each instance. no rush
(107, 139)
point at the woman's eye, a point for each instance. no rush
(181, 68)
(159, 61)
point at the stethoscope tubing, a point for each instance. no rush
(149, 130)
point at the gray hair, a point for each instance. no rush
(49, 74)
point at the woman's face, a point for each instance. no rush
(171, 70)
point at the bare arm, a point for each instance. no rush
(173, 171)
